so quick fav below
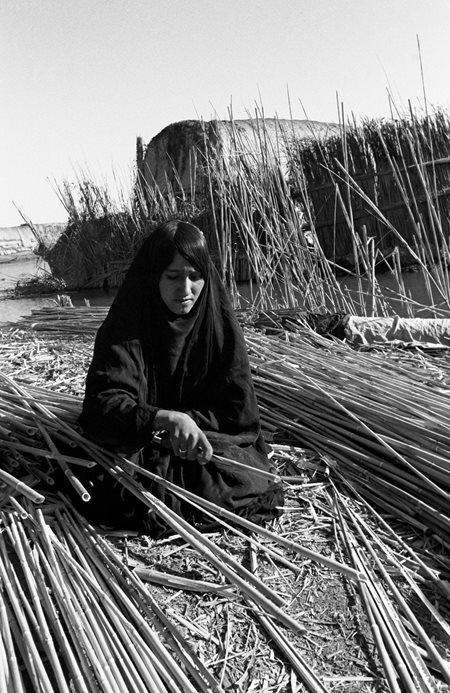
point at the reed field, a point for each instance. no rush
(373, 199)
(349, 589)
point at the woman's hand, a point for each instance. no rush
(187, 439)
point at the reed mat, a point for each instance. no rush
(347, 591)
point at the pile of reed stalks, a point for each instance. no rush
(382, 419)
(86, 605)
(64, 321)
(77, 618)
(383, 423)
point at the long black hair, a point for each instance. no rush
(138, 308)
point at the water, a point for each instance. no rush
(12, 310)
(13, 270)
(415, 287)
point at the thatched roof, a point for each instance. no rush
(178, 149)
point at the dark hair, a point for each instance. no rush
(127, 316)
(181, 237)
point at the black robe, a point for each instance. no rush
(145, 359)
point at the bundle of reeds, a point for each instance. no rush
(65, 321)
(76, 619)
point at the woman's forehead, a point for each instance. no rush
(180, 264)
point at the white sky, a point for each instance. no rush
(80, 79)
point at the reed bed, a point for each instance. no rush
(263, 215)
(379, 197)
(103, 233)
(347, 591)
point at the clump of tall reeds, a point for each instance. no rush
(104, 232)
(379, 196)
(261, 226)
(101, 235)
(287, 217)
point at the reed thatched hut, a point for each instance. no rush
(382, 181)
(177, 156)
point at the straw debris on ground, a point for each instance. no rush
(347, 591)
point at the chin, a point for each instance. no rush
(182, 310)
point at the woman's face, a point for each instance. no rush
(180, 285)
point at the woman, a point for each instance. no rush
(170, 357)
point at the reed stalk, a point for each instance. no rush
(104, 556)
(43, 627)
(214, 511)
(413, 622)
(21, 487)
(399, 649)
(10, 664)
(33, 660)
(164, 666)
(249, 586)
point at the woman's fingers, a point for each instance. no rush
(195, 448)
(204, 450)
(177, 443)
(189, 442)
(184, 445)
(180, 434)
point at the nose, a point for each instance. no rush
(185, 286)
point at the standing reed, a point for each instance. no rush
(288, 217)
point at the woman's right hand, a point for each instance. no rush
(187, 439)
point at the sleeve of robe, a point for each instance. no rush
(116, 413)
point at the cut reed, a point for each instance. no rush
(361, 439)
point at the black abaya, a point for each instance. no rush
(145, 359)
